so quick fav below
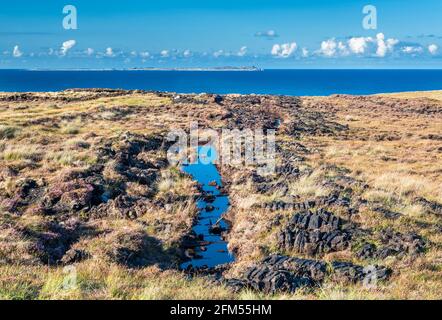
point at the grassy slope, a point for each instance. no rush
(387, 148)
(436, 95)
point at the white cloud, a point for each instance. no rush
(391, 43)
(109, 52)
(16, 53)
(368, 45)
(384, 46)
(164, 53)
(412, 50)
(66, 46)
(242, 52)
(187, 53)
(284, 50)
(433, 48)
(218, 53)
(267, 34)
(343, 51)
(359, 45)
(328, 47)
(90, 51)
(305, 52)
(145, 54)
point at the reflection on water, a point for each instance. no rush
(214, 249)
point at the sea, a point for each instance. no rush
(276, 82)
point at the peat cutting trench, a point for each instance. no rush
(211, 248)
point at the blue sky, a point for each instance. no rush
(180, 33)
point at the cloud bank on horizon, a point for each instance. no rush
(327, 39)
(358, 47)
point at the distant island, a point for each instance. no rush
(228, 68)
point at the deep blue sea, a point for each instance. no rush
(281, 82)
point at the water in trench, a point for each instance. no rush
(213, 250)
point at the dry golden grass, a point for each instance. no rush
(392, 153)
(389, 150)
(436, 95)
(309, 185)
